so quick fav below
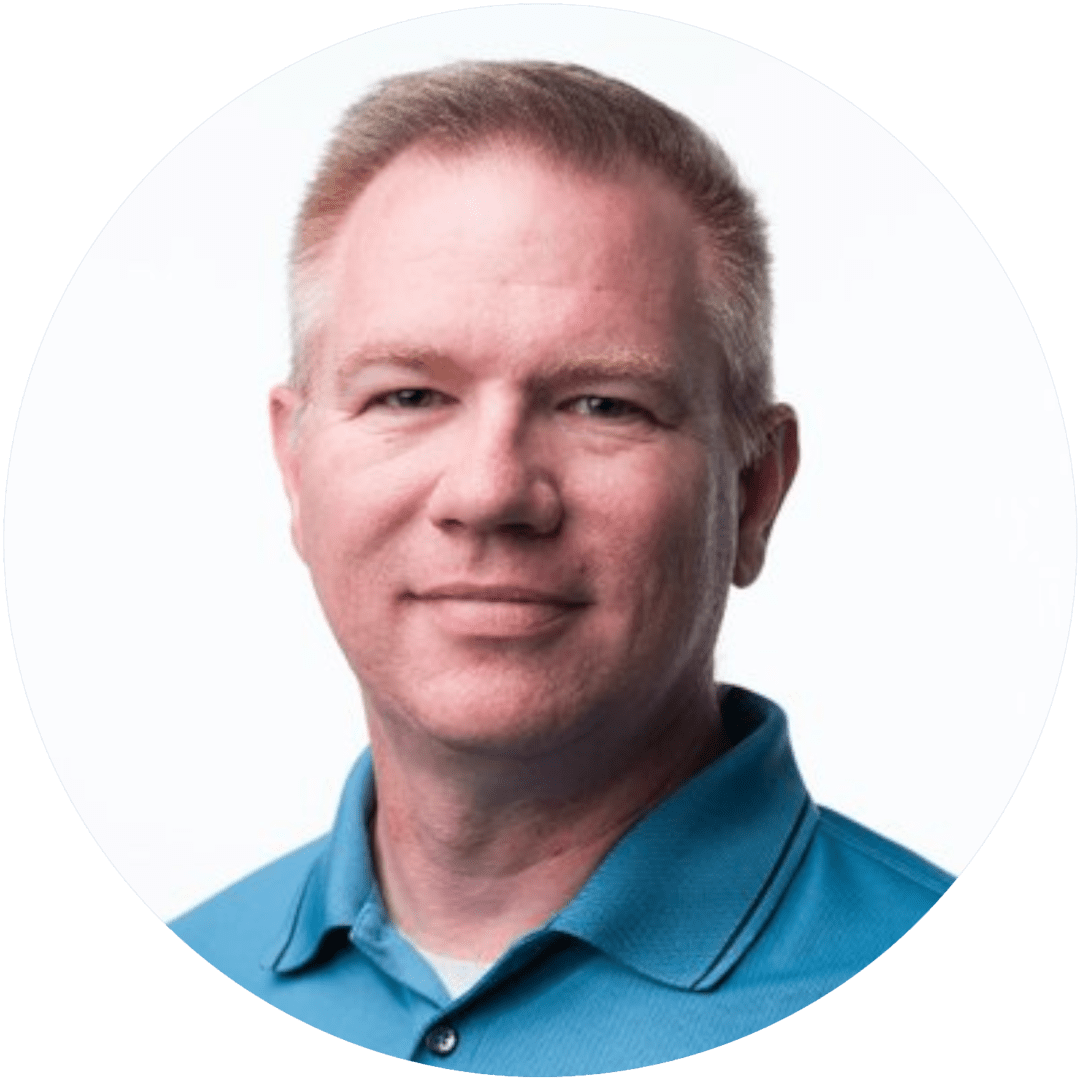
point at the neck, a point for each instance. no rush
(475, 848)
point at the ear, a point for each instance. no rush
(763, 483)
(286, 406)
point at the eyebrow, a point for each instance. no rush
(619, 364)
(417, 359)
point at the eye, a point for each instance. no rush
(607, 408)
(411, 398)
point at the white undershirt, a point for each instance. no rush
(456, 975)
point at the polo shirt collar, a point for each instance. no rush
(679, 898)
(341, 883)
(683, 894)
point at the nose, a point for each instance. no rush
(495, 478)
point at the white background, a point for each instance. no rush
(914, 608)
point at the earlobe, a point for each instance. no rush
(763, 483)
(286, 405)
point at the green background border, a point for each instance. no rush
(95, 93)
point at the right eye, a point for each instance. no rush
(411, 398)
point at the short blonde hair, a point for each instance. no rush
(592, 122)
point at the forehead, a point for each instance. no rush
(504, 249)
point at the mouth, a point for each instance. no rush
(503, 611)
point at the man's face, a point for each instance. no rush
(508, 476)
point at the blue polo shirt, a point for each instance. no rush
(732, 904)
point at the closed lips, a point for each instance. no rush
(499, 594)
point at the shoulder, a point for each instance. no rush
(235, 929)
(880, 862)
(854, 894)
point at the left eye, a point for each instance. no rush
(609, 408)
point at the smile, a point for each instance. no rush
(497, 611)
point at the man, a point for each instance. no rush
(529, 444)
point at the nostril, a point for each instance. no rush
(525, 530)
(506, 496)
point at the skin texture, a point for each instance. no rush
(509, 479)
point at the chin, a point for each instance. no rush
(485, 714)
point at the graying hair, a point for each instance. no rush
(589, 121)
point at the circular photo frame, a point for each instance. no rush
(914, 611)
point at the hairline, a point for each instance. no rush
(717, 298)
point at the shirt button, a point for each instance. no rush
(441, 1040)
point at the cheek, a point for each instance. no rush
(656, 528)
(352, 504)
